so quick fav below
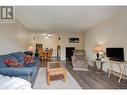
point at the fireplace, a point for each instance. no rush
(69, 52)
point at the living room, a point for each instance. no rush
(90, 26)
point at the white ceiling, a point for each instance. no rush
(63, 19)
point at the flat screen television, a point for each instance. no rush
(73, 40)
(115, 53)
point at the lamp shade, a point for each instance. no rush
(30, 48)
(98, 48)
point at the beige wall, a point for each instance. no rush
(13, 37)
(50, 42)
(109, 33)
(64, 42)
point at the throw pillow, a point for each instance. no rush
(29, 59)
(11, 63)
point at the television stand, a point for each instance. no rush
(121, 64)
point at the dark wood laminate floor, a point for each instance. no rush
(92, 79)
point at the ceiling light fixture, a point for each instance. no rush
(46, 36)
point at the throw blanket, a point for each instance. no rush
(13, 83)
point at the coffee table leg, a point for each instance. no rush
(65, 76)
(48, 79)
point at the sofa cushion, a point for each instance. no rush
(8, 71)
(18, 55)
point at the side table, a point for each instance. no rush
(122, 65)
(96, 62)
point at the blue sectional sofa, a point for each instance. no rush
(28, 72)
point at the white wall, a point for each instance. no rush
(13, 37)
(64, 42)
(109, 33)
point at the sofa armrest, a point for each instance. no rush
(86, 58)
(73, 58)
(36, 59)
(15, 71)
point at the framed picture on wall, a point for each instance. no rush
(73, 40)
(38, 46)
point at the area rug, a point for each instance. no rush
(41, 82)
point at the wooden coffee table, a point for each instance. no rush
(55, 68)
